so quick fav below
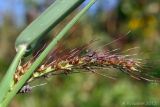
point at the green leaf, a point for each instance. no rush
(46, 21)
(38, 61)
(38, 28)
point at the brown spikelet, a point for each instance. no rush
(74, 59)
(67, 61)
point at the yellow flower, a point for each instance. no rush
(135, 23)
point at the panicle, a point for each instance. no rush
(79, 58)
(83, 59)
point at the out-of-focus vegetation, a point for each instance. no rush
(107, 20)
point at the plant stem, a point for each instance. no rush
(7, 80)
(42, 56)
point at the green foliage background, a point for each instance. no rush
(88, 89)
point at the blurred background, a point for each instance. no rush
(106, 21)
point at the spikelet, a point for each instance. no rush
(83, 59)
(67, 62)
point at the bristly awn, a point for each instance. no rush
(66, 62)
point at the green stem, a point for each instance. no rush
(42, 56)
(7, 80)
